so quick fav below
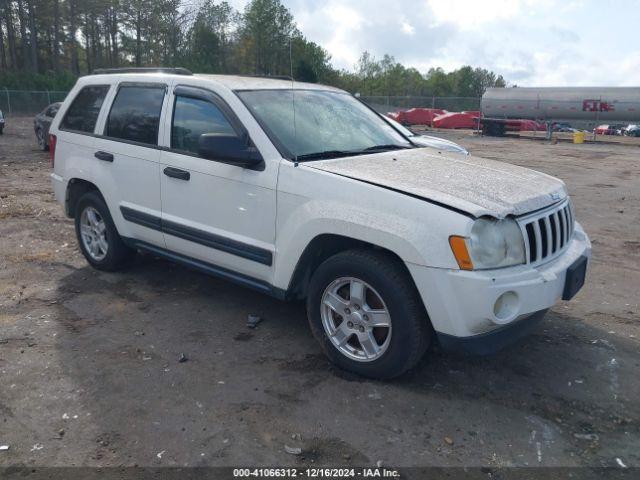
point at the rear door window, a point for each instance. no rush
(83, 112)
(135, 114)
(193, 117)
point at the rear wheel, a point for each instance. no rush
(97, 236)
(364, 309)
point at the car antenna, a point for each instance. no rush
(293, 97)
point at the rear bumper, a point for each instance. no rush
(468, 304)
(59, 185)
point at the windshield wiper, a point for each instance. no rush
(325, 154)
(390, 146)
(348, 153)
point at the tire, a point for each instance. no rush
(106, 252)
(388, 287)
(42, 141)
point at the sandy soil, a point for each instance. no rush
(90, 371)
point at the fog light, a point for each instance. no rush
(506, 306)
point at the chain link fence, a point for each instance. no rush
(28, 101)
(32, 101)
(587, 116)
(384, 104)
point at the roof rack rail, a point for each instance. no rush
(174, 71)
(271, 77)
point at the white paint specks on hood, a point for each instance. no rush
(475, 185)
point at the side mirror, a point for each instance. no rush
(230, 149)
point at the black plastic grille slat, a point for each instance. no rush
(531, 236)
(554, 233)
(543, 238)
(562, 228)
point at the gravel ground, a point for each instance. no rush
(90, 372)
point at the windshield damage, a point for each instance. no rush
(308, 125)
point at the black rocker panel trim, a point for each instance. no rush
(208, 268)
(141, 218)
(217, 242)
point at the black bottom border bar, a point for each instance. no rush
(345, 472)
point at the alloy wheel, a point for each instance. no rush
(93, 231)
(356, 319)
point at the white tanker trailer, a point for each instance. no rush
(587, 105)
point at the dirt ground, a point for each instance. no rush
(90, 372)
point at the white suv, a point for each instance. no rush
(303, 192)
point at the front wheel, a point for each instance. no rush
(97, 235)
(364, 309)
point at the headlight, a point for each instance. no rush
(493, 244)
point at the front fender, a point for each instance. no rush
(313, 203)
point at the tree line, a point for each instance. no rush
(47, 44)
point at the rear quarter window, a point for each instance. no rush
(83, 112)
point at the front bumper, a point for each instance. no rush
(494, 340)
(462, 304)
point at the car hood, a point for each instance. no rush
(438, 144)
(474, 185)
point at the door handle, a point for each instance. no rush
(107, 157)
(177, 173)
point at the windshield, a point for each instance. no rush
(320, 124)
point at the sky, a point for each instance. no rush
(529, 42)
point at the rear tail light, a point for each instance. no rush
(52, 150)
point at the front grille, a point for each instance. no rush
(547, 233)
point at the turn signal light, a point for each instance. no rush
(459, 248)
